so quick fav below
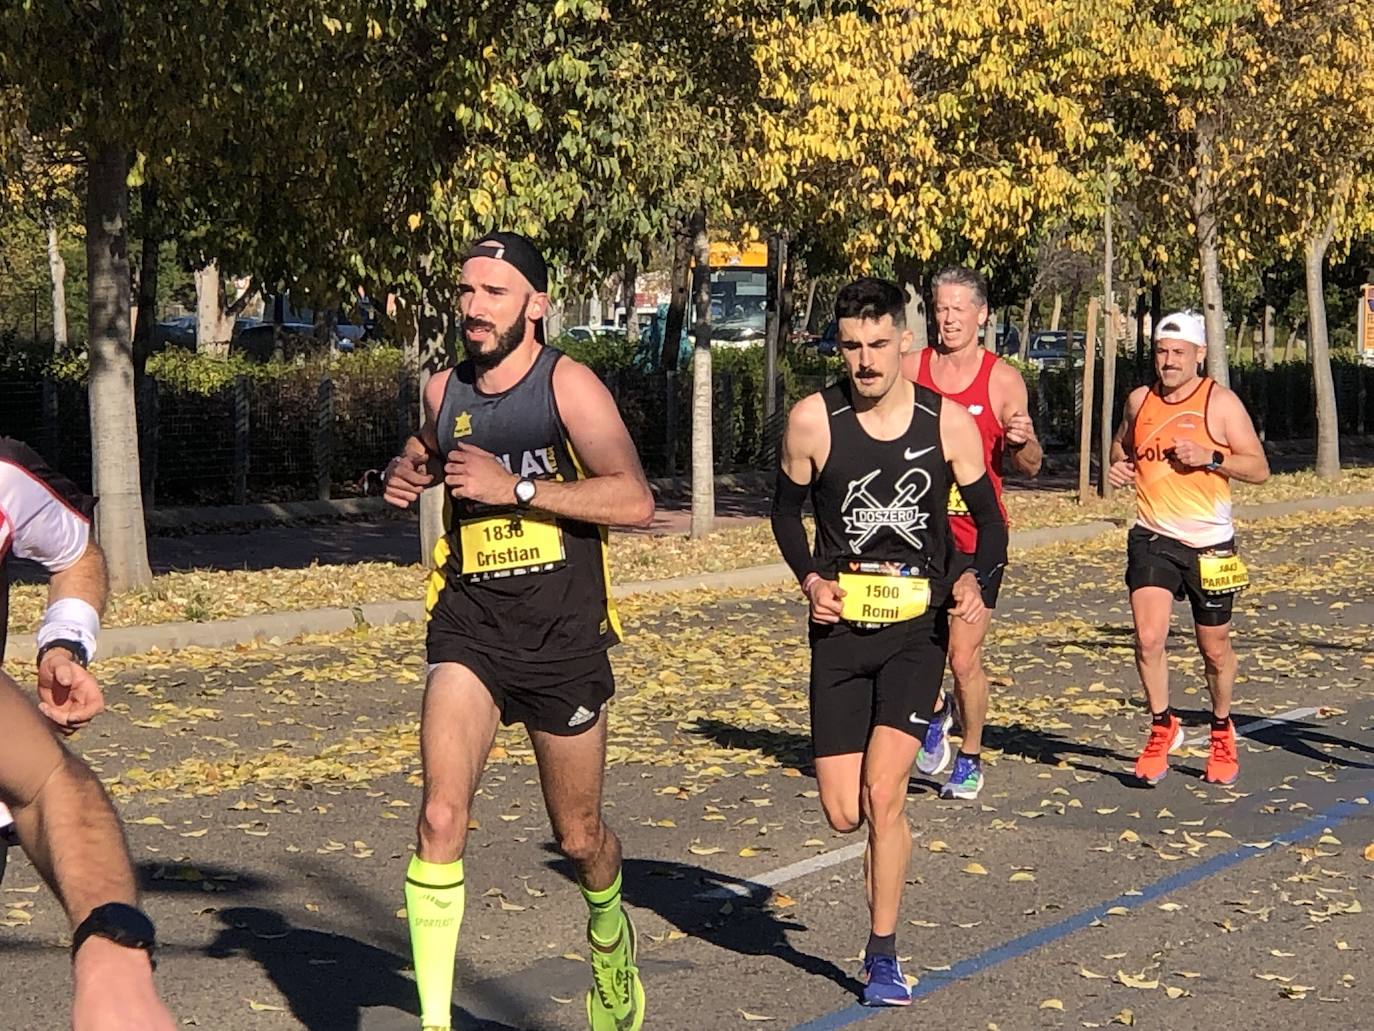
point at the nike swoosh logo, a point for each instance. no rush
(911, 456)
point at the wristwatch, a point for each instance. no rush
(524, 491)
(1217, 459)
(122, 924)
(77, 649)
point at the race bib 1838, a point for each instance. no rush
(510, 544)
(879, 593)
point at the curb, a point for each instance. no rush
(165, 519)
(170, 520)
(284, 626)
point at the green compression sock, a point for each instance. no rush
(434, 909)
(606, 914)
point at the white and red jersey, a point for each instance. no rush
(44, 517)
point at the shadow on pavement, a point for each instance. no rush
(786, 746)
(737, 923)
(327, 979)
(1299, 737)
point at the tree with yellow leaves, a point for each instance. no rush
(914, 128)
(1310, 176)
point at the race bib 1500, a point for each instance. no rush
(509, 544)
(879, 593)
(1223, 573)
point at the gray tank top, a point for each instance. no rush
(524, 584)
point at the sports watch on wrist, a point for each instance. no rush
(524, 491)
(122, 924)
(1217, 459)
(77, 649)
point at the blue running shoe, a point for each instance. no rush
(933, 756)
(965, 780)
(884, 982)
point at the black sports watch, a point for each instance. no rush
(122, 924)
(1217, 459)
(524, 491)
(77, 649)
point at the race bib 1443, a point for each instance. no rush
(1223, 573)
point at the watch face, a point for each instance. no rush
(524, 491)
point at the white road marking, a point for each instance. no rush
(793, 871)
(1258, 725)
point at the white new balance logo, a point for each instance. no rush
(581, 716)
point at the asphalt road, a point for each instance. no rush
(269, 795)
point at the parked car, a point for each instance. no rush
(1049, 348)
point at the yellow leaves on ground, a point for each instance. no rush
(228, 594)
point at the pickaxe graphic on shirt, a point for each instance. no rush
(869, 515)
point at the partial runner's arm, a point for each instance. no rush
(805, 448)
(50, 518)
(1247, 461)
(1013, 412)
(419, 465)
(611, 490)
(1121, 473)
(70, 832)
(963, 449)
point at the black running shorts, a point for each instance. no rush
(1153, 560)
(562, 697)
(861, 679)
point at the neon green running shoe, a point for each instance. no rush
(616, 1001)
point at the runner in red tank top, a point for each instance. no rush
(995, 395)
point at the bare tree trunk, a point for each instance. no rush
(1328, 431)
(911, 278)
(1240, 336)
(703, 448)
(1057, 312)
(1085, 424)
(1108, 343)
(1023, 344)
(1268, 341)
(677, 301)
(213, 327)
(990, 331)
(147, 281)
(58, 270)
(1289, 345)
(627, 294)
(1205, 235)
(114, 424)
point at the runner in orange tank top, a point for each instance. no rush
(1181, 442)
(995, 395)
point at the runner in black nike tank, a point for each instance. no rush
(877, 455)
(536, 463)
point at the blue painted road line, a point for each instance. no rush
(932, 981)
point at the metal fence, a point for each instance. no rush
(297, 438)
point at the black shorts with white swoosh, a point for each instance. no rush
(861, 679)
(1154, 560)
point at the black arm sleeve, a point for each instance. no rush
(788, 530)
(990, 555)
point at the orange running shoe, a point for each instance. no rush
(1223, 765)
(1153, 763)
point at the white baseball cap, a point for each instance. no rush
(1183, 325)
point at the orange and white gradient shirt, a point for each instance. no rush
(1195, 506)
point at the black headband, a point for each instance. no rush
(515, 250)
